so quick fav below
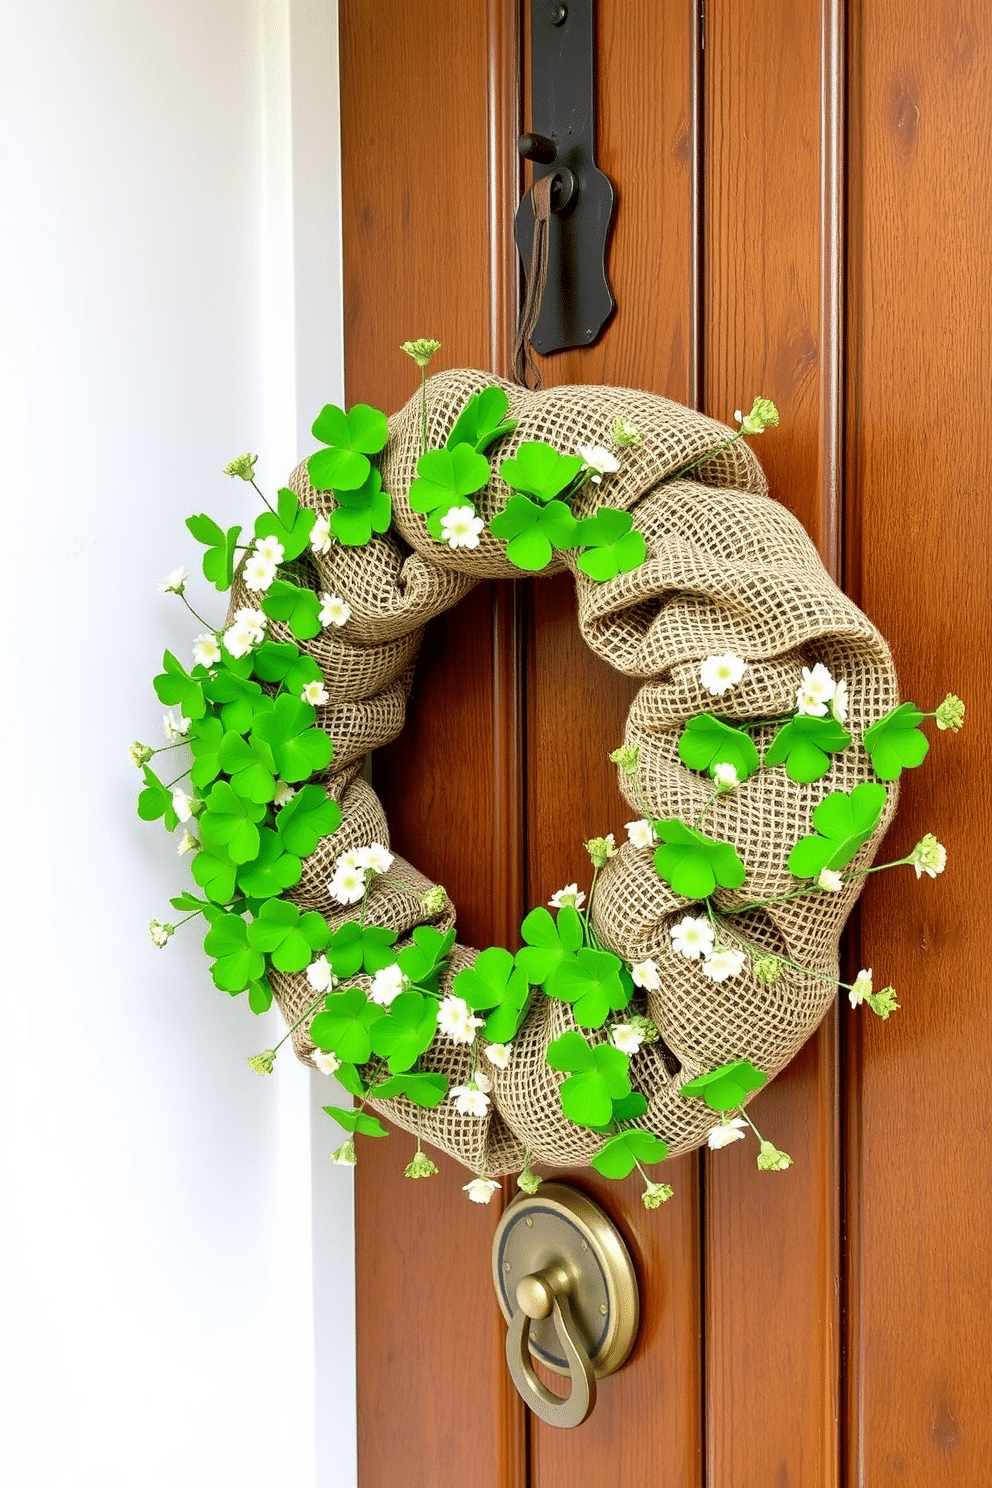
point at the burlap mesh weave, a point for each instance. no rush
(727, 569)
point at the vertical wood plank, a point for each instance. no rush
(773, 294)
(921, 474)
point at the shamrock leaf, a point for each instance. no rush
(540, 471)
(707, 742)
(445, 477)
(218, 560)
(259, 996)
(612, 547)
(359, 1122)
(806, 743)
(237, 963)
(214, 870)
(289, 524)
(298, 607)
(310, 815)
(229, 822)
(287, 936)
(271, 871)
(156, 800)
(250, 767)
(406, 1030)
(600, 1077)
(593, 982)
(204, 739)
(177, 686)
(353, 437)
(281, 661)
(494, 981)
(531, 531)
(547, 943)
(482, 421)
(693, 863)
(427, 1090)
(349, 1079)
(896, 743)
(343, 1028)
(843, 824)
(620, 1155)
(354, 947)
(726, 1088)
(362, 512)
(239, 698)
(189, 903)
(298, 750)
(423, 961)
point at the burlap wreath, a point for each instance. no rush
(728, 569)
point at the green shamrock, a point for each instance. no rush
(406, 1030)
(287, 936)
(359, 1122)
(497, 984)
(271, 871)
(620, 1155)
(290, 524)
(356, 947)
(896, 743)
(308, 817)
(343, 1027)
(843, 824)
(156, 800)
(707, 742)
(693, 864)
(482, 421)
(297, 607)
(237, 962)
(594, 982)
(613, 545)
(805, 744)
(547, 943)
(229, 822)
(531, 531)
(540, 471)
(298, 749)
(360, 513)
(352, 437)
(599, 1076)
(218, 560)
(726, 1088)
(177, 686)
(423, 1089)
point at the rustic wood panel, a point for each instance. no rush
(920, 265)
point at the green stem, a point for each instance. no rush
(365, 897)
(751, 1124)
(706, 808)
(587, 917)
(265, 498)
(193, 612)
(186, 918)
(178, 778)
(163, 748)
(423, 410)
(303, 1016)
(695, 464)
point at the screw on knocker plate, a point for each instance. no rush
(567, 1288)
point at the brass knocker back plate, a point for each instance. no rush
(559, 1229)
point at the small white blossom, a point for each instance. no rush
(928, 856)
(206, 650)
(456, 1021)
(470, 1100)
(320, 535)
(692, 938)
(726, 1132)
(641, 833)
(316, 694)
(350, 859)
(570, 894)
(182, 805)
(328, 1064)
(347, 886)
(830, 881)
(862, 987)
(387, 984)
(187, 843)
(256, 620)
(725, 775)
(481, 1190)
(723, 963)
(838, 703)
(247, 630)
(645, 974)
(320, 975)
(626, 1038)
(499, 1054)
(334, 610)
(376, 857)
(599, 460)
(815, 691)
(159, 934)
(461, 528)
(270, 548)
(258, 573)
(284, 794)
(719, 673)
(482, 1081)
(175, 728)
(174, 582)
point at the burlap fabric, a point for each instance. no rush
(727, 569)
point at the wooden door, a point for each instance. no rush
(801, 204)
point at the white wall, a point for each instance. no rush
(170, 292)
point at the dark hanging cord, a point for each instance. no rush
(537, 276)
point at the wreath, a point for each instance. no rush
(760, 761)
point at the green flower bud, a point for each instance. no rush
(140, 753)
(345, 1155)
(601, 850)
(767, 969)
(763, 415)
(528, 1181)
(883, 1003)
(770, 1160)
(435, 899)
(421, 1167)
(243, 467)
(928, 856)
(262, 1063)
(160, 934)
(625, 434)
(656, 1194)
(644, 1026)
(950, 714)
(421, 350)
(626, 757)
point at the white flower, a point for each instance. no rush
(175, 728)
(861, 988)
(692, 938)
(284, 794)
(320, 535)
(726, 1132)
(347, 886)
(334, 610)
(723, 963)
(270, 548)
(599, 460)
(830, 881)
(350, 859)
(641, 833)
(182, 805)
(470, 1101)
(928, 856)
(387, 984)
(482, 1082)
(645, 974)
(174, 582)
(247, 630)
(725, 775)
(815, 691)
(626, 1038)
(320, 976)
(838, 703)
(258, 573)
(480, 1190)
(460, 527)
(570, 894)
(719, 673)
(499, 1054)
(238, 639)
(455, 1020)
(187, 843)
(206, 650)
(256, 621)
(328, 1064)
(376, 857)
(159, 934)
(315, 693)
